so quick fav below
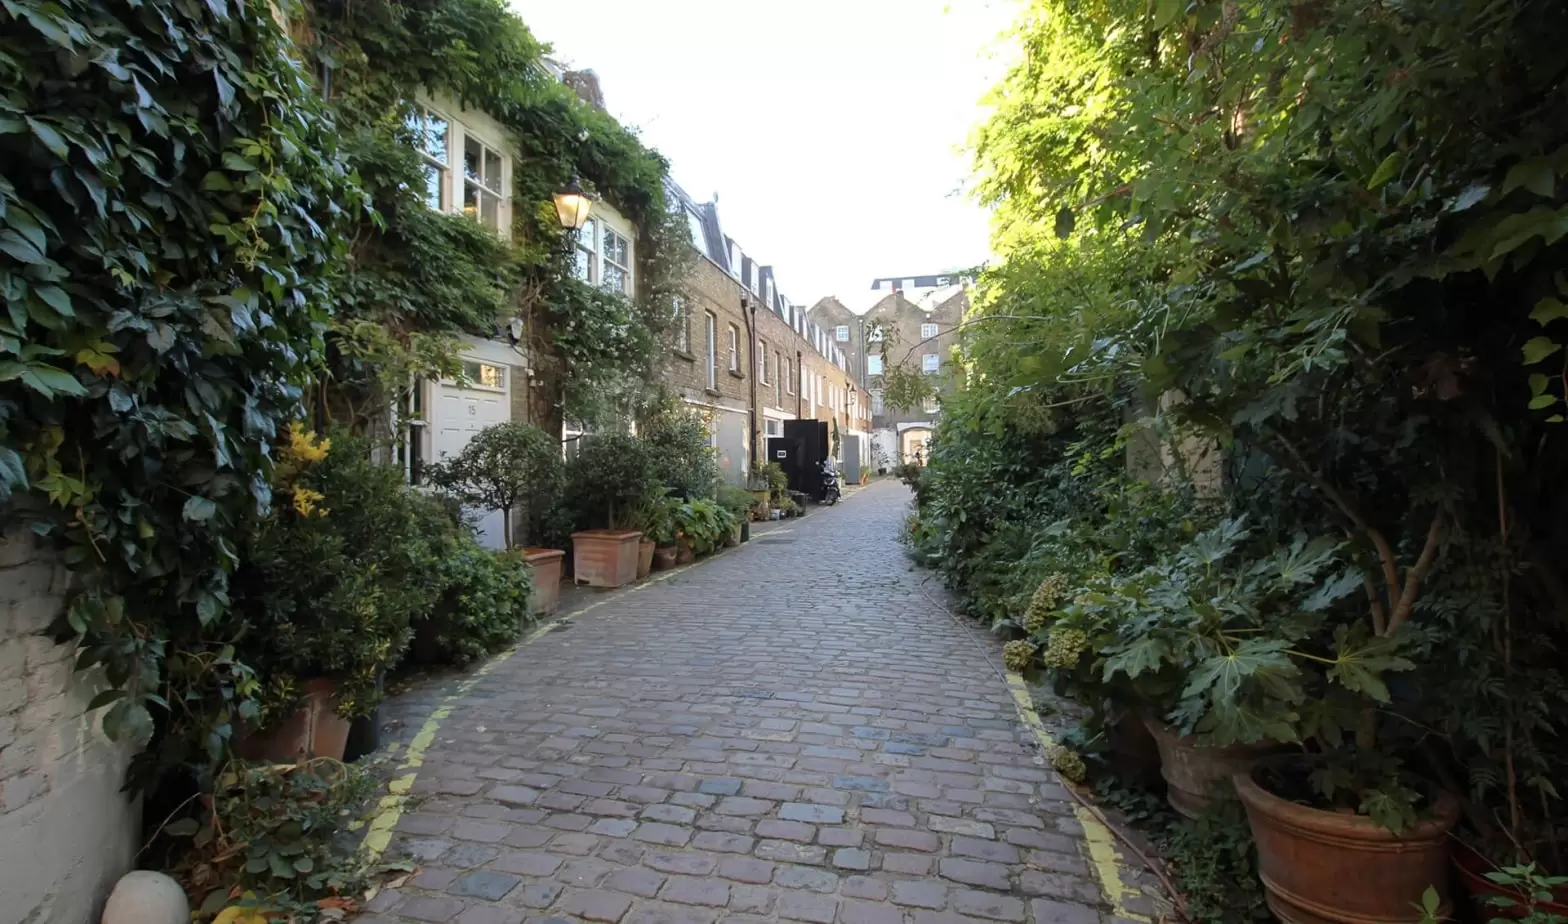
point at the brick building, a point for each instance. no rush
(749, 357)
(914, 326)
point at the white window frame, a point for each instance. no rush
(780, 376)
(422, 115)
(931, 405)
(762, 362)
(927, 331)
(874, 364)
(772, 427)
(711, 324)
(930, 363)
(480, 186)
(682, 325)
(789, 374)
(586, 268)
(608, 237)
(841, 333)
(734, 348)
(876, 402)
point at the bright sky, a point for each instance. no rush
(832, 130)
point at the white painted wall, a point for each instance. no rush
(66, 831)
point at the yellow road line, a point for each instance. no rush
(1099, 839)
(390, 809)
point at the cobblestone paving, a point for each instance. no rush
(789, 732)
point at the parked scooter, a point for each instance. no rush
(829, 492)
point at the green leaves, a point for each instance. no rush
(1164, 12)
(1535, 174)
(1387, 170)
(1537, 349)
(1360, 661)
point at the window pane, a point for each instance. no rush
(842, 333)
(430, 134)
(930, 362)
(614, 278)
(433, 185)
(588, 237)
(873, 365)
(490, 210)
(584, 268)
(927, 331)
(492, 171)
(470, 200)
(473, 158)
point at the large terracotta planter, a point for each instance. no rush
(605, 557)
(1193, 771)
(314, 730)
(1323, 867)
(664, 558)
(547, 565)
(645, 549)
(684, 553)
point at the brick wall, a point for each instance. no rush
(66, 831)
(901, 321)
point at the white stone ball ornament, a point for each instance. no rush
(144, 897)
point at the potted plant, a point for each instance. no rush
(609, 476)
(328, 585)
(1214, 645)
(1239, 644)
(737, 503)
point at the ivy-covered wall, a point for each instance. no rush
(209, 227)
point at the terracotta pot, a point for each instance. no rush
(547, 565)
(1133, 750)
(1472, 869)
(684, 553)
(314, 730)
(664, 558)
(605, 557)
(1323, 867)
(1192, 771)
(645, 549)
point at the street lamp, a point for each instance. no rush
(572, 206)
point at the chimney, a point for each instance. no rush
(585, 83)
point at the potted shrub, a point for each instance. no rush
(641, 517)
(1212, 643)
(1237, 649)
(515, 468)
(510, 467)
(609, 476)
(737, 503)
(328, 585)
(663, 531)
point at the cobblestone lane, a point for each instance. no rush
(791, 731)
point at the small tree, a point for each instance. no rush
(611, 473)
(503, 467)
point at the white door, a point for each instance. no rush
(460, 412)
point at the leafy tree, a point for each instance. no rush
(505, 467)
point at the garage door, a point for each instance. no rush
(460, 412)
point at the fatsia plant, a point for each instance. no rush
(1236, 647)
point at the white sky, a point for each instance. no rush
(832, 130)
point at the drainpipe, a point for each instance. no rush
(800, 383)
(748, 311)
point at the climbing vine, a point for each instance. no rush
(171, 215)
(209, 229)
(417, 273)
